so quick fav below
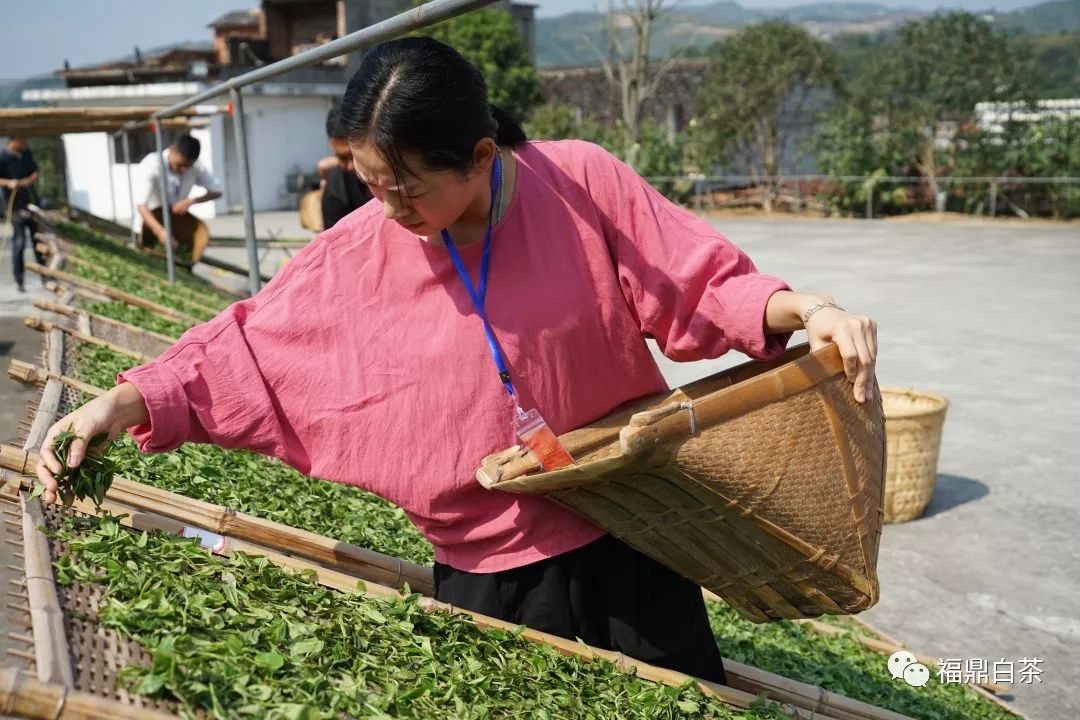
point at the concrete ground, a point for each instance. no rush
(277, 225)
(985, 314)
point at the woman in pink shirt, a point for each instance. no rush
(489, 273)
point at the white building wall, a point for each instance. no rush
(286, 134)
(87, 163)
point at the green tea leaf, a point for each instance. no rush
(271, 660)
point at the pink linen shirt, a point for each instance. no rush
(363, 361)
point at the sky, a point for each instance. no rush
(40, 35)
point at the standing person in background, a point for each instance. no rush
(343, 191)
(184, 171)
(18, 173)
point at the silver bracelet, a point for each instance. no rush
(814, 308)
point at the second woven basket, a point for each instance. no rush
(763, 483)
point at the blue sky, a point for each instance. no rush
(36, 37)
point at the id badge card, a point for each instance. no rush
(536, 435)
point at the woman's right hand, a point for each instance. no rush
(119, 408)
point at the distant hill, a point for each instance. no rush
(1058, 58)
(1057, 16)
(565, 39)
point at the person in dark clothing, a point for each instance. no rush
(343, 191)
(18, 173)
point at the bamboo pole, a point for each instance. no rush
(123, 113)
(877, 632)
(112, 293)
(69, 294)
(509, 469)
(23, 696)
(52, 655)
(45, 414)
(73, 312)
(28, 374)
(46, 617)
(35, 323)
(34, 129)
(810, 697)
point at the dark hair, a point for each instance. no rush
(188, 146)
(417, 95)
(333, 123)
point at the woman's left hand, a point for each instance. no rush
(856, 337)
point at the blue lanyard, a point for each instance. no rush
(478, 296)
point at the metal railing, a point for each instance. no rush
(406, 22)
(698, 186)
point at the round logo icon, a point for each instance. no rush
(898, 661)
(916, 674)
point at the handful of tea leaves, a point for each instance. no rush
(91, 479)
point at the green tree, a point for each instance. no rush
(1044, 148)
(758, 90)
(489, 40)
(1057, 61)
(663, 160)
(922, 86)
(552, 121)
(627, 65)
(847, 143)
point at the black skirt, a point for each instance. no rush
(607, 594)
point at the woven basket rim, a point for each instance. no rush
(941, 402)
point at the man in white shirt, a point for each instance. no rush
(183, 171)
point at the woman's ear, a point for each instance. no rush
(484, 154)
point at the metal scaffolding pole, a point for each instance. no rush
(401, 24)
(396, 26)
(254, 281)
(112, 183)
(166, 206)
(131, 187)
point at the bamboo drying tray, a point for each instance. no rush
(93, 655)
(763, 483)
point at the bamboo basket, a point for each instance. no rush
(763, 483)
(311, 211)
(916, 419)
(190, 232)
